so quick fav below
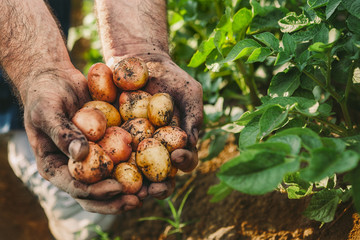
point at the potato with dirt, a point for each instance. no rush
(153, 159)
(160, 109)
(129, 176)
(91, 122)
(130, 74)
(94, 168)
(116, 143)
(171, 137)
(100, 83)
(134, 104)
(139, 128)
(112, 115)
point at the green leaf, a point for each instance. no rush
(293, 141)
(291, 22)
(200, 55)
(355, 182)
(317, 3)
(249, 134)
(271, 146)
(216, 146)
(318, 47)
(326, 161)
(284, 84)
(305, 106)
(334, 143)
(268, 39)
(271, 119)
(331, 7)
(323, 205)
(259, 55)
(353, 7)
(309, 138)
(241, 49)
(266, 21)
(353, 24)
(219, 192)
(289, 44)
(241, 21)
(282, 58)
(256, 171)
(297, 187)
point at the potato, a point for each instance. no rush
(160, 109)
(130, 74)
(94, 168)
(116, 143)
(100, 83)
(153, 160)
(134, 104)
(171, 137)
(139, 128)
(129, 176)
(111, 113)
(91, 122)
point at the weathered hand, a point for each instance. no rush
(49, 104)
(166, 76)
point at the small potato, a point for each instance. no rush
(134, 104)
(129, 176)
(160, 109)
(171, 137)
(111, 113)
(116, 143)
(100, 83)
(139, 128)
(91, 122)
(94, 168)
(153, 160)
(130, 74)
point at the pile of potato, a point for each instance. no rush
(131, 133)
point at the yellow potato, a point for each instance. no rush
(111, 113)
(153, 160)
(134, 104)
(129, 176)
(160, 109)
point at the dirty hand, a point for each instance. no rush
(51, 99)
(166, 76)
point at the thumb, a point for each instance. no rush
(65, 135)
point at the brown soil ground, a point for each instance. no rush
(239, 216)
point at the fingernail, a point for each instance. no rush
(78, 150)
(179, 160)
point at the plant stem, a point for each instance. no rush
(341, 100)
(328, 71)
(344, 101)
(250, 82)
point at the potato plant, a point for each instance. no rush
(284, 78)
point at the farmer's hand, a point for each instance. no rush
(51, 101)
(166, 76)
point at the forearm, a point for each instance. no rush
(30, 42)
(132, 27)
